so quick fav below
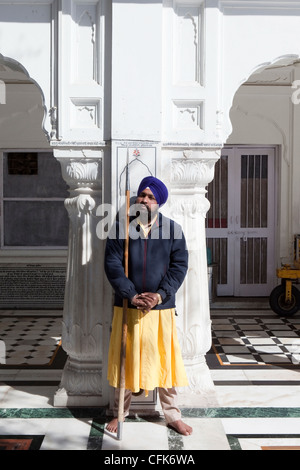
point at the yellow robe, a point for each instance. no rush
(153, 356)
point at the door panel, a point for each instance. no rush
(220, 221)
(241, 221)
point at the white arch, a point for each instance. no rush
(280, 61)
(15, 66)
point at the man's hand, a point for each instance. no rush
(146, 301)
(139, 302)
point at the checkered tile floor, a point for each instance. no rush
(252, 406)
(29, 340)
(245, 340)
(256, 340)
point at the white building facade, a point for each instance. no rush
(184, 87)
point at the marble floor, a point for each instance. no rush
(255, 404)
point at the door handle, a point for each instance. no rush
(242, 233)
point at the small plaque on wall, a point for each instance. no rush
(32, 286)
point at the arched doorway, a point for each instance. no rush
(33, 220)
(250, 224)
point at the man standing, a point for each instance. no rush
(157, 264)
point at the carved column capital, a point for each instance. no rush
(192, 171)
(83, 173)
(81, 169)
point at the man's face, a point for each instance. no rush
(147, 201)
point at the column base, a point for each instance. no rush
(201, 390)
(80, 385)
(63, 399)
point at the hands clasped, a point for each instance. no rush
(145, 301)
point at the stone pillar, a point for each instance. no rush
(191, 171)
(85, 328)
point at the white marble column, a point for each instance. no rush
(191, 171)
(85, 327)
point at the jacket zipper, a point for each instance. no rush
(144, 265)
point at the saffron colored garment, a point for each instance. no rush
(153, 356)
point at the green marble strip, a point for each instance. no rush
(234, 443)
(96, 434)
(175, 441)
(96, 413)
(241, 412)
(52, 413)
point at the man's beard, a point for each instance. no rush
(146, 215)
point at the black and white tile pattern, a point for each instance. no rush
(28, 340)
(256, 340)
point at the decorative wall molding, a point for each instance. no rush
(191, 29)
(188, 43)
(98, 144)
(188, 114)
(86, 113)
(87, 63)
(80, 42)
(258, 5)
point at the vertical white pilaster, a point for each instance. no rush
(80, 64)
(136, 70)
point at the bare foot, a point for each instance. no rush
(112, 426)
(181, 427)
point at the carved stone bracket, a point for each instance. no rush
(79, 206)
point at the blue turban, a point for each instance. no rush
(158, 188)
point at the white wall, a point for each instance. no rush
(255, 34)
(21, 118)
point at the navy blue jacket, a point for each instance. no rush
(157, 263)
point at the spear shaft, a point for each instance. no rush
(125, 308)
